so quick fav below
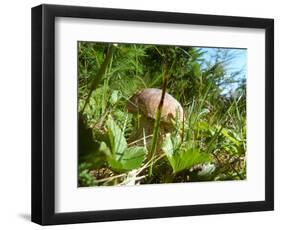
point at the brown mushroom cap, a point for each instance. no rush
(147, 100)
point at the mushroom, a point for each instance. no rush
(145, 103)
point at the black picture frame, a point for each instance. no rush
(43, 110)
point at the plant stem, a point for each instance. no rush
(157, 121)
(139, 140)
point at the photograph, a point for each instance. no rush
(153, 114)
(140, 114)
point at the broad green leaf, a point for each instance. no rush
(130, 159)
(117, 140)
(183, 158)
(119, 156)
(133, 156)
(187, 158)
(104, 149)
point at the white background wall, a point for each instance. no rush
(15, 113)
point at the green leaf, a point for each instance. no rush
(183, 158)
(119, 157)
(132, 158)
(117, 140)
(104, 149)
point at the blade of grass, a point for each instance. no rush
(99, 75)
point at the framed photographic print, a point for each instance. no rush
(142, 114)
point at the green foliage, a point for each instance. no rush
(180, 156)
(85, 178)
(208, 145)
(117, 140)
(130, 159)
(119, 157)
